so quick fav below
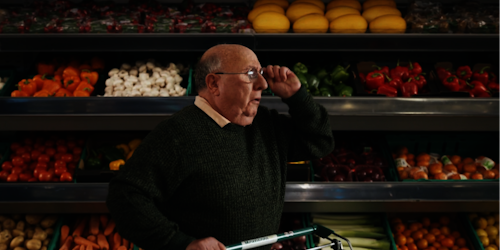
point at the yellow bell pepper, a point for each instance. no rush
(115, 165)
(125, 148)
(130, 154)
(133, 144)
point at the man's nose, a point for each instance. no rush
(260, 83)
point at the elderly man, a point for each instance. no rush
(214, 173)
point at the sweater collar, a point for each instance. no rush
(203, 104)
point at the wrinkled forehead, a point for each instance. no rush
(238, 60)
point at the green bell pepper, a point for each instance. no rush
(345, 91)
(321, 74)
(325, 91)
(300, 68)
(312, 81)
(302, 79)
(327, 81)
(340, 74)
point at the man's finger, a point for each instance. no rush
(269, 71)
(277, 76)
(221, 246)
(283, 72)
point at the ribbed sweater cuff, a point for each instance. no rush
(297, 98)
(179, 241)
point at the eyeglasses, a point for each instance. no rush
(251, 73)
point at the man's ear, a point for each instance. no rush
(212, 81)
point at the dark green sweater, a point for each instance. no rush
(191, 179)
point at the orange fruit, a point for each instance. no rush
(444, 220)
(413, 226)
(409, 240)
(455, 234)
(441, 176)
(470, 168)
(422, 243)
(455, 177)
(431, 248)
(443, 248)
(402, 156)
(455, 159)
(411, 162)
(445, 230)
(464, 248)
(436, 244)
(460, 167)
(407, 233)
(477, 176)
(435, 231)
(440, 238)
(401, 240)
(461, 242)
(411, 246)
(435, 169)
(467, 175)
(423, 157)
(424, 231)
(402, 150)
(420, 175)
(399, 228)
(426, 222)
(422, 163)
(410, 156)
(403, 175)
(488, 174)
(447, 242)
(417, 235)
(404, 248)
(455, 248)
(413, 171)
(496, 172)
(431, 238)
(468, 160)
(419, 225)
(451, 168)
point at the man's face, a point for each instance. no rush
(239, 95)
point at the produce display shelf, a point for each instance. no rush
(129, 113)
(299, 197)
(259, 42)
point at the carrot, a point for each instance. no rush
(104, 220)
(89, 247)
(79, 229)
(77, 247)
(82, 241)
(122, 248)
(64, 234)
(131, 246)
(102, 242)
(111, 242)
(125, 243)
(92, 238)
(117, 240)
(67, 243)
(82, 247)
(94, 225)
(109, 228)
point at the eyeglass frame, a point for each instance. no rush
(261, 72)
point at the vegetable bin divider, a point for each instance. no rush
(189, 89)
(10, 84)
(469, 228)
(464, 144)
(53, 244)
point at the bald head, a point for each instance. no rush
(219, 58)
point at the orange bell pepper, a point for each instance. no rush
(70, 71)
(96, 63)
(81, 93)
(51, 86)
(43, 93)
(18, 93)
(71, 82)
(85, 87)
(28, 86)
(57, 78)
(84, 66)
(38, 79)
(62, 92)
(45, 68)
(90, 76)
(60, 70)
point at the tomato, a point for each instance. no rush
(51, 164)
(66, 177)
(24, 177)
(58, 156)
(60, 171)
(24, 166)
(43, 158)
(17, 161)
(77, 151)
(50, 152)
(3, 175)
(28, 141)
(49, 143)
(51, 170)
(33, 179)
(71, 145)
(67, 158)
(41, 165)
(60, 142)
(20, 151)
(12, 178)
(37, 172)
(62, 149)
(16, 170)
(7, 165)
(26, 157)
(28, 148)
(35, 154)
(60, 164)
(14, 146)
(41, 149)
(32, 166)
(45, 176)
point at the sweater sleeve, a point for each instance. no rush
(148, 178)
(307, 129)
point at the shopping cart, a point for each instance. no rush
(318, 230)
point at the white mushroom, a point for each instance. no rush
(113, 72)
(119, 88)
(125, 66)
(164, 93)
(139, 63)
(117, 93)
(128, 84)
(177, 88)
(157, 69)
(132, 79)
(150, 65)
(109, 82)
(143, 76)
(178, 79)
(133, 72)
(146, 84)
(144, 90)
(117, 82)
(173, 72)
(135, 93)
(108, 89)
(170, 85)
(155, 75)
(137, 87)
(165, 73)
(154, 92)
(183, 92)
(143, 69)
(170, 79)
(123, 73)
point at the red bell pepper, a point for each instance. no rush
(395, 83)
(387, 90)
(419, 80)
(478, 88)
(442, 73)
(374, 80)
(452, 83)
(493, 87)
(463, 85)
(483, 94)
(362, 78)
(409, 88)
(384, 70)
(464, 72)
(481, 76)
(415, 68)
(400, 72)
(493, 77)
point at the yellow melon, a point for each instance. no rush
(265, 8)
(283, 3)
(370, 3)
(299, 10)
(312, 23)
(344, 3)
(388, 24)
(376, 11)
(340, 11)
(271, 22)
(349, 24)
(318, 3)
